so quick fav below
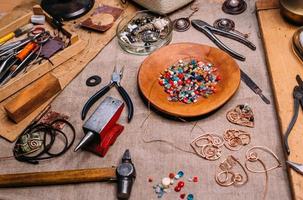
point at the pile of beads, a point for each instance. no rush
(163, 187)
(187, 81)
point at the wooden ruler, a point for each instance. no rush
(283, 66)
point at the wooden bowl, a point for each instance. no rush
(164, 57)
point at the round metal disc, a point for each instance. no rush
(225, 24)
(181, 24)
(234, 7)
(93, 81)
(67, 9)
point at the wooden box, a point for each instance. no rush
(38, 70)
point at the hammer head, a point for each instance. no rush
(126, 175)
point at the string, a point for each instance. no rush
(149, 114)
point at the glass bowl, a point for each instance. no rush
(144, 33)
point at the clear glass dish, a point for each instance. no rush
(144, 33)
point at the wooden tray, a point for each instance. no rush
(68, 70)
(161, 59)
(283, 66)
(38, 70)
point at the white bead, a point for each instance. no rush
(166, 182)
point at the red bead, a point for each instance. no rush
(181, 76)
(150, 180)
(171, 175)
(188, 81)
(195, 179)
(181, 184)
(182, 196)
(218, 78)
(177, 188)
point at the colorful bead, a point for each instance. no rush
(184, 80)
(181, 174)
(190, 197)
(171, 175)
(181, 184)
(166, 182)
(150, 180)
(195, 179)
(177, 189)
(182, 196)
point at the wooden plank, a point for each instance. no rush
(283, 66)
(66, 72)
(267, 4)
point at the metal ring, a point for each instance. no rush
(93, 81)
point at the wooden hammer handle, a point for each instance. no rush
(58, 177)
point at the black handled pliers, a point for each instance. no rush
(209, 31)
(115, 81)
(298, 100)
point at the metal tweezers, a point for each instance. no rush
(209, 31)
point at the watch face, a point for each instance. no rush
(125, 169)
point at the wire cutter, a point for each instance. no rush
(115, 81)
(209, 31)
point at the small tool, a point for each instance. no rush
(295, 166)
(298, 100)
(253, 86)
(209, 31)
(124, 175)
(18, 32)
(22, 58)
(98, 134)
(115, 81)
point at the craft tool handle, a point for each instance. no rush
(7, 37)
(93, 99)
(26, 50)
(58, 177)
(128, 102)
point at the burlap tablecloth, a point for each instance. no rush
(156, 160)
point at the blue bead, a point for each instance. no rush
(190, 197)
(181, 174)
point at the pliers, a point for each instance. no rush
(115, 81)
(209, 31)
(298, 100)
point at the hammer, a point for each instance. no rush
(124, 175)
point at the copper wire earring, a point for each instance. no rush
(252, 156)
(241, 115)
(236, 139)
(227, 177)
(208, 146)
